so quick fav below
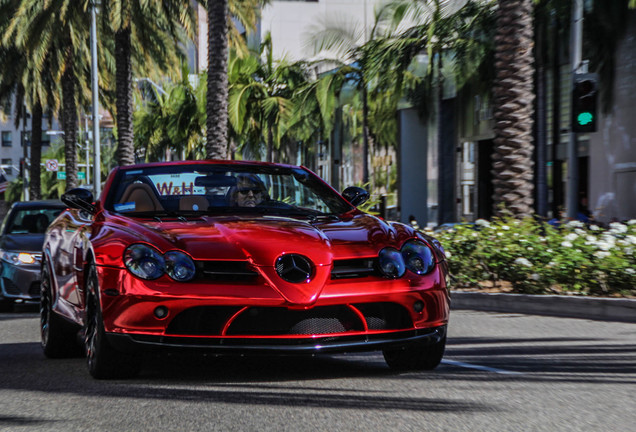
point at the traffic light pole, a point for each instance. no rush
(572, 202)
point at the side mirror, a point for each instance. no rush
(79, 198)
(355, 195)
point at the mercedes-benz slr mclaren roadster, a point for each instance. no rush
(236, 257)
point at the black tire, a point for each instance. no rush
(57, 336)
(415, 357)
(103, 361)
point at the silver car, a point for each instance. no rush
(21, 239)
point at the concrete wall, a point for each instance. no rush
(292, 23)
(414, 168)
(613, 147)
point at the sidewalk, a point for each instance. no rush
(605, 309)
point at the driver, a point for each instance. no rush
(248, 192)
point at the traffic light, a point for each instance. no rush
(584, 96)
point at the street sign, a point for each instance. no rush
(51, 165)
(61, 175)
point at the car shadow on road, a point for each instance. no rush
(234, 380)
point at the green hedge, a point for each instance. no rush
(537, 258)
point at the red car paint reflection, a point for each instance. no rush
(151, 265)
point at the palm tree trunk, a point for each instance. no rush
(365, 134)
(217, 97)
(36, 152)
(270, 145)
(69, 125)
(124, 103)
(514, 110)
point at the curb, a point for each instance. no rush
(604, 309)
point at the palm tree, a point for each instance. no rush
(173, 121)
(261, 97)
(146, 34)
(513, 108)
(221, 31)
(25, 86)
(52, 36)
(217, 99)
(352, 65)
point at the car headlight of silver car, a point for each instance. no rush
(179, 266)
(144, 261)
(20, 258)
(418, 257)
(391, 263)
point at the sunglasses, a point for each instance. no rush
(246, 191)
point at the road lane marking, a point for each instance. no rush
(479, 367)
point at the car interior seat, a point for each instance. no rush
(28, 223)
(41, 223)
(194, 202)
(143, 196)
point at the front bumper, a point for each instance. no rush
(20, 281)
(305, 345)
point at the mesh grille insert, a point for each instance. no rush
(202, 320)
(282, 321)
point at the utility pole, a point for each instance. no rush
(25, 149)
(576, 61)
(97, 176)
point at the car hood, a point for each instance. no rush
(22, 242)
(261, 240)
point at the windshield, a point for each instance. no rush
(175, 190)
(34, 220)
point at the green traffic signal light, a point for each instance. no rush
(584, 97)
(585, 118)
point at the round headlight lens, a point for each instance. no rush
(391, 263)
(144, 261)
(179, 266)
(418, 257)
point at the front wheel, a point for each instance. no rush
(415, 357)
(57, 337)
(104, 362)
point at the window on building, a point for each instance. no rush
(46, 139)
(6, 139)
(7, 165)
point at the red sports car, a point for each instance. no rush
(236, 257)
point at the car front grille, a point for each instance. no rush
(10, 287)
(354, 268)
(279, 321)
(225, 271)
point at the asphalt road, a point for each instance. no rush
(502, 372)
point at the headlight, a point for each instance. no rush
(391, 263)
(418, 257)
(144, 261)
(19, 258)
(179, 266)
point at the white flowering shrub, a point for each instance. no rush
(538, 258)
